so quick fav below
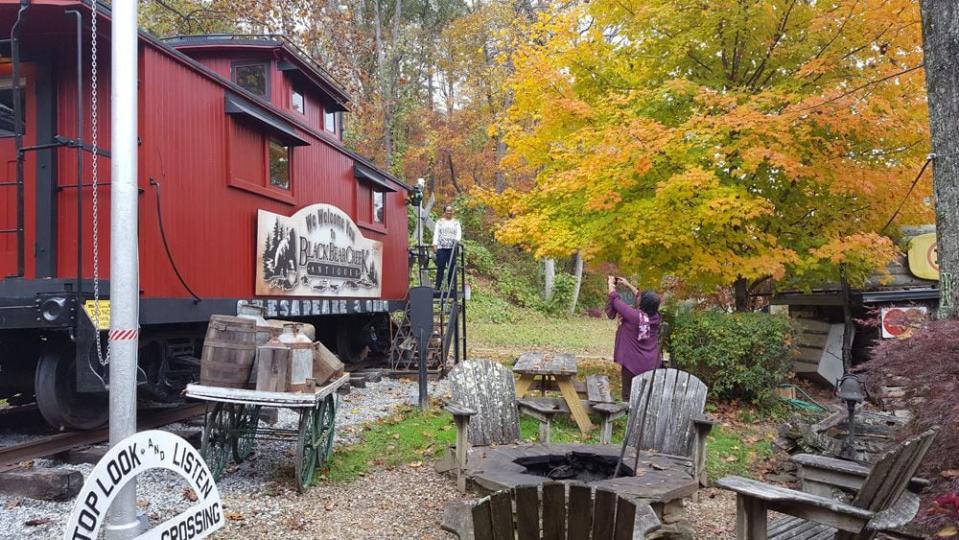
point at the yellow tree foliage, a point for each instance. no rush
(728, 142)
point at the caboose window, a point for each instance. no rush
(279, 164)
(378, 206)
(6, 108)
(253, 77)
(329, 120)
(298, 103)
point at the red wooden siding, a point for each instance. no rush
(194, 150)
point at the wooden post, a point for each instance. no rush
(462, 450)
(750, 518)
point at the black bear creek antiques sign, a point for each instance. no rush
(318, 251)
(137, 454)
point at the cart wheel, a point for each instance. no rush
(246, 418)
(326, 423)
(306, 447)
(215, 444)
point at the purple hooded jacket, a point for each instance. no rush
(637, 338)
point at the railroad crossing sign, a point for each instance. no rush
(137, 454)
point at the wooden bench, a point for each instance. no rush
(882, 502)
(552, 511)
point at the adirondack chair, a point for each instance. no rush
(574, 513)
(666, 415)
(882, 502)
(486, 411)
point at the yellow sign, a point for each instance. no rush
(924, 257)
(103, 321)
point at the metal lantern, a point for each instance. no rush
(850, 390)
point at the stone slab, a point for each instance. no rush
(42, 484)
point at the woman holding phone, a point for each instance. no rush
(637, 338)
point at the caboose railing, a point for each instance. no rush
(449, 324)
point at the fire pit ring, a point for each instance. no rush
(658, 479)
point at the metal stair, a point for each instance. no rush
(449, 327)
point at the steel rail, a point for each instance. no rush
(11, 456)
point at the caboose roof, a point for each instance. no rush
(292, 58)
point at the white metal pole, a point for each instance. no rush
(124, 263)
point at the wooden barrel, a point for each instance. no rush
(228, 351)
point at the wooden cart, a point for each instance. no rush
(232, 425)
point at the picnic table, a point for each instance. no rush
(232, 425)
(558, 367)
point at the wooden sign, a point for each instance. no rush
(318, 251)
(924, 257)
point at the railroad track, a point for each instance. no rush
(11, 456)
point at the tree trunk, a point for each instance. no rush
(741, 290)
(578, 276)
(549, 277)
(940, 26)
(381, 74)
(848, 329)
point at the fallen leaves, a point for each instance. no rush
(13, 503)
(234, 516)
(947, 532)
(950, 473)
(189, 494)
(37, 522)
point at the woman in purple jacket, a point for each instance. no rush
(637, 338)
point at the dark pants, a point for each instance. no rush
(443, 259)
(627, 382)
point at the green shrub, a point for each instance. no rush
(558, 305)
(740, 356)
(593, 291)
(479, 260)
(521, 289)
(485, 307)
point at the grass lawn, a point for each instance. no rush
(583, 336)
(408, 437)
(415, 438)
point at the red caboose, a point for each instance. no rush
(247, 194)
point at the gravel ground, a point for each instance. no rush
(258, 495)
(714, 516)
(260, 502)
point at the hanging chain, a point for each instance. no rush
(103, 358)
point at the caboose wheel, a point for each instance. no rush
(61, 405)
(246, 419)
(306, 449)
